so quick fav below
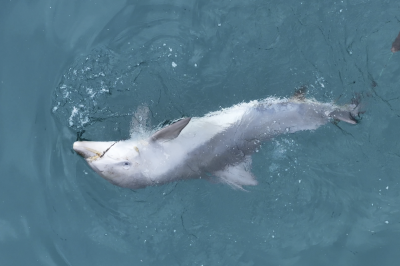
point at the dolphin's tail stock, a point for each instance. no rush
(349, 113)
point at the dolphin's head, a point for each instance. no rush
(129, 163)
(118, 162)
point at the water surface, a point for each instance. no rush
(80, 69)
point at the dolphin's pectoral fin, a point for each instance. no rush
(171, 131)
(238, 175)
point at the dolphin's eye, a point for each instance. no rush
(126, 165)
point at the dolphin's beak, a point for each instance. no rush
(85, 151)
(91, 149)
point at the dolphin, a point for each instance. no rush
(217, 146)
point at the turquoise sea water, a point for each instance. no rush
(80, 69)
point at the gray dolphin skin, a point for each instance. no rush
(217, 146)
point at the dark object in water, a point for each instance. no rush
(396, 44)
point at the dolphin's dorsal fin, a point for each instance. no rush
(300, 93)
(172, 131)
(238, 175)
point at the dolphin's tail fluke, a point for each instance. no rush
(358, 106)
(349, 113)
